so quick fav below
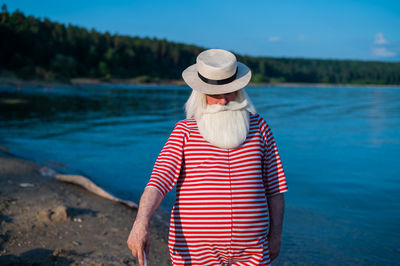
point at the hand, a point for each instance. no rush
(274, 247)
(139, 241)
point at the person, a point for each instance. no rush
(228, 174)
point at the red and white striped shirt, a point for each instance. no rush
(220, 216)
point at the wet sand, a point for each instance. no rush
(47, 222)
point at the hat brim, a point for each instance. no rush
(192, 79)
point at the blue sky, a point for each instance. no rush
(365, 30)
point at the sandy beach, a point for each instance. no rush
(46, 222)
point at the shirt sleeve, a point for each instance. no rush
(167, 167)
(273, 174)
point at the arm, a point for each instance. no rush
(275, 184)
(276, 208)
(139, 238)
(165, 173)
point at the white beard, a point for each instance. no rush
(225, 126)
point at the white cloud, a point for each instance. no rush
(380, 47)
(379, 39)
(383, 52)
(274, 39)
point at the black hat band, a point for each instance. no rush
(218, 81)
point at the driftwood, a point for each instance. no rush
(57, 164)
(92, 187)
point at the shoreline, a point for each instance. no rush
(82, 82)
(45, 221)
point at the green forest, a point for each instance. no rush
(35, 48)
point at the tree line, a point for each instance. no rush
(34, 48)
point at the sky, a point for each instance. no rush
(325, 29)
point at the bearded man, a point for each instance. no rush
(228, 174)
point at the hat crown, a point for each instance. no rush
(216, 64)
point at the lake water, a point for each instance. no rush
(340, 148)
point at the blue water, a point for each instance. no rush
(340, 147)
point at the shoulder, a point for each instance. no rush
(183, 127)
(185, 124)
(256, 119)
(262, 126)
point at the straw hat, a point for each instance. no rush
(217, 72)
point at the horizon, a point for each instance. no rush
(347, 39)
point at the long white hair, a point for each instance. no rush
(197, 103)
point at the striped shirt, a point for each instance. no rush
(220, 216)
